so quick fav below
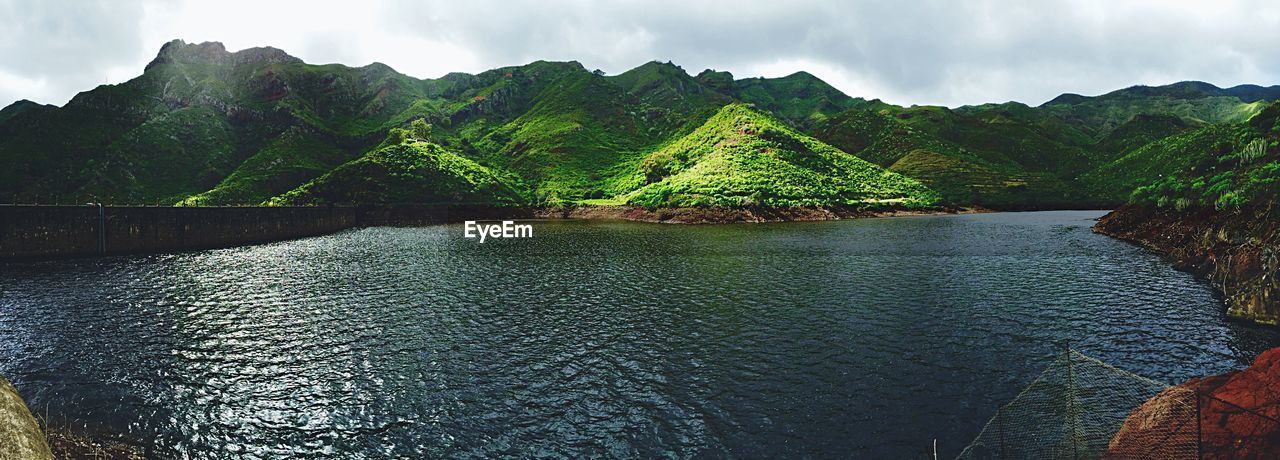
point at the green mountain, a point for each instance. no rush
(410, 172)
(801, 99)
(741, 156)
(20, 107)
(1227, 167)
(1197, 101)
(969, 159)
(1140, 130)
(205, 126)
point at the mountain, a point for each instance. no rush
(969, 159)
(206, 126)
(1228, 166)
(1210, 200)
(1197, 101)
(409, 172)
(1140, 130)
(800, 98)
(22, 106)
(742, 156)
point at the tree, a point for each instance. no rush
(421, 130)
(656, 167)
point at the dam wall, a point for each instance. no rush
(41, 231)
(28, 232)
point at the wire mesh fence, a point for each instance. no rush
(1083, 408)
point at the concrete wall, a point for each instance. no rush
(20, 436)
(34, 232)
(49, 231)
(370, 216)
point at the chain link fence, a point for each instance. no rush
(1083, 408)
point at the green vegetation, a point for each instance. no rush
(1188, 153)
(1196, 101)
(910, 142)
(1141, 130)
(290, 160)
(800, 99)
(1223, 167)
(203, 126)
(411, 172)
(742, 157)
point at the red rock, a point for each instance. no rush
(1239, 418)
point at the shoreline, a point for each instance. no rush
(727, 215)
(35, 232)
(1231, 251)
(39, 232)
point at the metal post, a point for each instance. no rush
(102, 229)
(1199, 434)
(1071, 401)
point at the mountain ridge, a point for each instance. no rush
(206, 126)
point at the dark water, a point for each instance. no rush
(865, 338)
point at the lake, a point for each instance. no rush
(859, 338)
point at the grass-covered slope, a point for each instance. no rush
(582, 126)
(743, 157)
(960, 174)
(410, 172)
(1227, 167)
(800, 99)
(1139, 131)
(291, 159)
(1188, 153)
(1197, 101)
(1007, 134)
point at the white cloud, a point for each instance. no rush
(928, 52)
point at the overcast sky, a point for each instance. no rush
(915, 52)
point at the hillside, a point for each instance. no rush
(205, 126)
(1140, 130)
(1166, 159)
(409, 172)
(1212, 208)
(1226, 167)
(908, 141)
(1197, 101)
(743, 157)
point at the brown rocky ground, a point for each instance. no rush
(1238, 418)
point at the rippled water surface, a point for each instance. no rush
(854, 338)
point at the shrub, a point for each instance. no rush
(656, 167)
(1230, 200)
(421, 130)
(1254, 150)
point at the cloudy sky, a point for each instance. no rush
(916, 52)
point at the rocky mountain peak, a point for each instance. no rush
(180, 52)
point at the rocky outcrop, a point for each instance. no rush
(1238, 417)
(20, 435)
(180, 52)
(1236, 251)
